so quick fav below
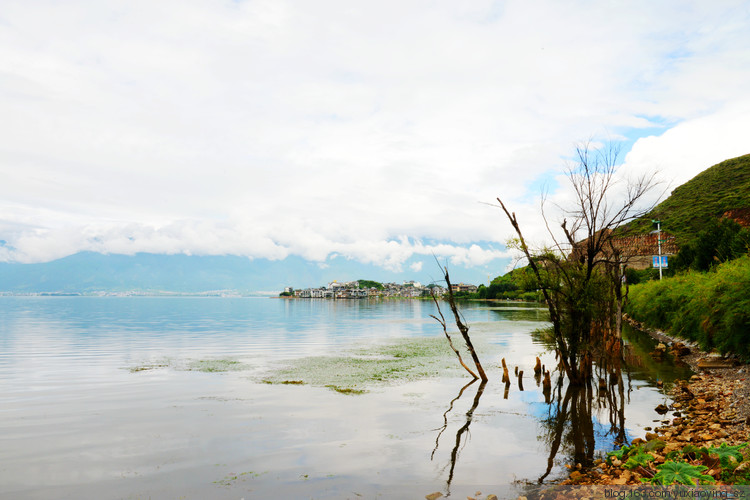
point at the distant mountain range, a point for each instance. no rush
(89, 272)
(723, 189)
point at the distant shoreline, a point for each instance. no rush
(212, 294)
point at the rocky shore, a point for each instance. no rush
(711, 408)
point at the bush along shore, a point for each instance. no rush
(705, 431)
(711, 308)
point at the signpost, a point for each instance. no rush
(658, 259)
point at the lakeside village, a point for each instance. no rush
(370, 289)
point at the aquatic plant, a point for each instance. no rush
(215, 365)
(143, 368)
(400, 359)
(346, 390)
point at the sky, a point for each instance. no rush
(377, 132)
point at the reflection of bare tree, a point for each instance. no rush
(570, 422)
(460, 433)
(575, 412)
(445, 417)
(611, 397)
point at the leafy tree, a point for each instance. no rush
(516, 284)
(722, 240)
(370, 284)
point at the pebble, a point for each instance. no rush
(714, 409)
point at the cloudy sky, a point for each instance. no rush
(374, 131)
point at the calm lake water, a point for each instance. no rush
(106, 398)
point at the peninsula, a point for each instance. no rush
(364, 289)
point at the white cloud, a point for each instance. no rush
(688, 148)
(276, 128)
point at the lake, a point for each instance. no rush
(161, 397)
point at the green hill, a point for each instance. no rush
(691, 213)
(693, 206)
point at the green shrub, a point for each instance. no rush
(680, 473)
(711, 308)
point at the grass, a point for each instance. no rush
(712, 309)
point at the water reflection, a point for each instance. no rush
(577, 423)
(463, 430)
(571, 423)
(519, 313)
(64, 380)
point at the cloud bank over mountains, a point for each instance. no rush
(377, 132)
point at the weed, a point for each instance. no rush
(346, 390)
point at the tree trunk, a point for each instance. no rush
(463, 328)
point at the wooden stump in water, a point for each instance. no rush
(546, 383)
(538, 365)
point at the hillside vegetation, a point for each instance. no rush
(697, 204)
(517, 284)
(707, 300)
(705, 296)
(711, 308)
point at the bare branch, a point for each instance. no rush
(441, 320)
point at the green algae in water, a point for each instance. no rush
(215, 365)
(346, 390)
(200, 365)
(143, 368)
(399, 360)
(231, 478)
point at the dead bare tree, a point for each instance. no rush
(462, 327)
(442, 322)
(581, 272)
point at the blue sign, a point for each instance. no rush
(664, 261)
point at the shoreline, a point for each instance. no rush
(711, 408)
